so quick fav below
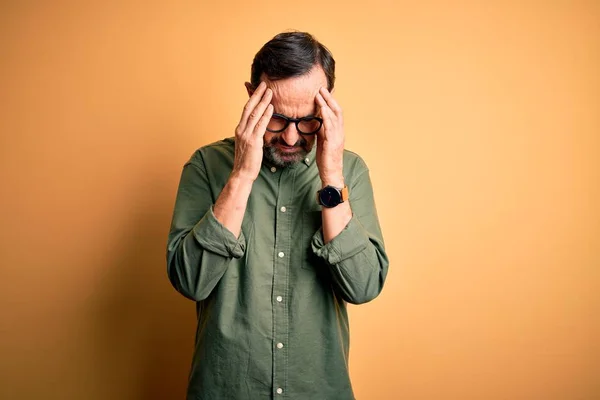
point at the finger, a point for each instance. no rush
(261, 126)
(251, 104)
(259, 110)
(326, 112)
(335, 107)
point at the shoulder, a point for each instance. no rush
(216, 153)
(354, 163)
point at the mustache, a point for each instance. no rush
(279, 140)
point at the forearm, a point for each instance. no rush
(335, 220)
(351, 242)
(230, 207)
(199, 246)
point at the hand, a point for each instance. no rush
(330, 140)
(250, 132)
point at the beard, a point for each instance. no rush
(284, 159)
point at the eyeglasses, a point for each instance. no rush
(304, 125)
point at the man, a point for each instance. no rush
(274, 232)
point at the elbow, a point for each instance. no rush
(183, 269)
(361, 294)
(193, 279)
(361, 298)
(185, 282)
(370, 288)
(182, 287)
(187, 289)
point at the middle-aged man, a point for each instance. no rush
(274, 232)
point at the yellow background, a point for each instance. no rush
(479, 120)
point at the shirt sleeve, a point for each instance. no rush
(199, 247)
(350, 241)
(356, 256)
(211, 235)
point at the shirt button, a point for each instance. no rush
(281, 254)
(273, 169)
(279, 390)
(283, 209)
(279, 299)
(307, 160)
(279, 345)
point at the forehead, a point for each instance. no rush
(295, 97)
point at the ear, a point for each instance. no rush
(249, 88)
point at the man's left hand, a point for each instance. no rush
(330, 140)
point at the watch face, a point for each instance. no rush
(330, 197)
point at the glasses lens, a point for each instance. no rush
(309, 125)
(276, 124)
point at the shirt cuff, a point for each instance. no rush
(352, 240)
(214, 237)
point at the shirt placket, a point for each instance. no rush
(282, 258)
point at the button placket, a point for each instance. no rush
(283, 232)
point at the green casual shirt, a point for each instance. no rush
(271, 304)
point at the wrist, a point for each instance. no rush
(242, 177)
(335, 181)
(239, 178)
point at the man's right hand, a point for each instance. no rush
(250, 132)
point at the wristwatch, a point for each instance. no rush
(330, 196)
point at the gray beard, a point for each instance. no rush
(273, 157)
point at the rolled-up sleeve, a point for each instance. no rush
(356, 256)
(352, 240)
(213, 236)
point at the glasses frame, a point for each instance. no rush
(296, 121)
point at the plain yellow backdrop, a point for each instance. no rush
(479, 121)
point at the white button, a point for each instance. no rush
(283, 209)
(279, 299)
(273, 169)
(307, 160)
(281, 254)
(279, 345)
(279, 390)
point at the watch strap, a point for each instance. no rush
(345, 193)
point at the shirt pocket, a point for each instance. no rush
(311, 223)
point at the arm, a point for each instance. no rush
(350, 240)
(204, 236)
(330, 153)
(199, 246)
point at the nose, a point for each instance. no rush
(290, 136)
